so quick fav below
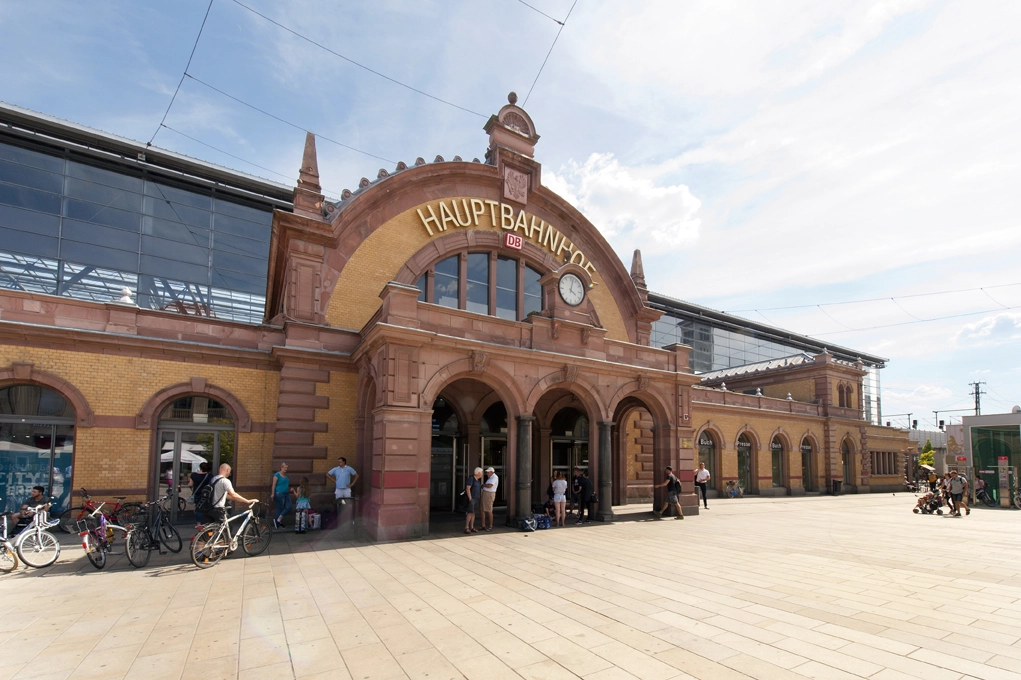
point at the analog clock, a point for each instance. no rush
(572, 290)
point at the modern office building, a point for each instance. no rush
(157, 311)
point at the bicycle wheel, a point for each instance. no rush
(95, 553)
(8, 558)
(127, 514)
(207, 548)
(168, 536)
(257, 536)
(182, 504)
(38, 549)
(69, 519)
(989, 500)
(138, 547)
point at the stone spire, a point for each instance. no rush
(638, 275)
(308, 195)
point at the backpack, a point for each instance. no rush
(205, 499)
(674, 486)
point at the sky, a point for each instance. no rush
(847, 170)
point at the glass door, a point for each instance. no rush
(182, 453)
(442, 476)
(494, 451)
(744, 465)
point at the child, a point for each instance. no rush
(302, 506)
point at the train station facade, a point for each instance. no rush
(157, 312)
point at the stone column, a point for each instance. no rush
(605, 512)
(524, 467)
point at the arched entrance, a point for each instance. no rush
(192, 430)
(707, 454)
(36, 445)
(807, 470)
(569, 449)
(846, 463)
(560, 440)
(778, 462)
(469, 430)
(745, 463)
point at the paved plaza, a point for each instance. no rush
(818, 587)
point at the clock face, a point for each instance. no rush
(572, 290)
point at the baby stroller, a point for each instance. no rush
(928, 504)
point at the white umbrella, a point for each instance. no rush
(187, 457)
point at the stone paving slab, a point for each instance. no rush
(816, 587)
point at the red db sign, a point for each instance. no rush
(512, 240)
(961, 458)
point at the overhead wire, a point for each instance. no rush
(186, 67)
(536, 9)
(285, 121)
(559, 31)
(879, 299)
(904, 323)
(355, 63)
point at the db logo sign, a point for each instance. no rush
(512, 241)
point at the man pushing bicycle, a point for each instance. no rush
(222, 490)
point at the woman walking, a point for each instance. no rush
(560, 498)
(281, 495)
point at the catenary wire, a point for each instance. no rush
(355, 63)
(879, 299)
(186, 67)
(905, 323)
(536, 9)
(901, 308)
(559, 31)
(243, 160)
(284, 121)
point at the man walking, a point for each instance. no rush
(702, 478)
(489, 497)
(584, 499)
(673, 488)
(958, 490)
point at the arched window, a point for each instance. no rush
(848, 401)
(36, 445)
(845, 461)
(484, 283)
(778, 456)
(707, 454)
(841, 400)
(744, 462)
(807, 478)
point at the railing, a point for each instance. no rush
(726, 398)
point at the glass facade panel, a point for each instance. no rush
(477, 291)
(777, 453)
(94, 231)
(420, 284)
(707, 455)
(507, 288)
(445, 282)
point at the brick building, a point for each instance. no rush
(157, 311)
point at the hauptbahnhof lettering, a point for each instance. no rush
(157, 312)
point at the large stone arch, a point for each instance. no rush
(495, 377)
(149, 413)
(710, 426)
(573, 382)
(20, 373)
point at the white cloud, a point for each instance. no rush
(991, 330)
(628, 207)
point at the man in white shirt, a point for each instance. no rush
(702, 478)
(344, 476)
(222, 490)
(489, 487)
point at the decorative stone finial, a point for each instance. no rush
(126, 297)
(308, 194)
(512, 98)
(789, 397)
(638, 274)
(758, 391)
(723, 386)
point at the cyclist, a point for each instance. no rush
(222, 490)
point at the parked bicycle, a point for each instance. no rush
(983, 496)
(34, 545)
(98, 536)
(8, 553)
(116, 513)
(1017, 498)
(151, 528)
(214, 541)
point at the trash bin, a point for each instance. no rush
(837, 483)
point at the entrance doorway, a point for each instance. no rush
(448, 468)
(807, 477)
(845, 462)
(744, 463)
(568, 443)
(493, 429)
(707, 455)
(36, 446)
(192, 431)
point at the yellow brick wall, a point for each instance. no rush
(380, 257)
(340, 417)
(800, 390)
(633, 447)
(120, 385)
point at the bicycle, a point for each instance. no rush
(8, 553)
(1016, 498)
(98, 540)
(984, 496)
(214, 541)
(146, 535)
(119, 514)
(37, 547)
